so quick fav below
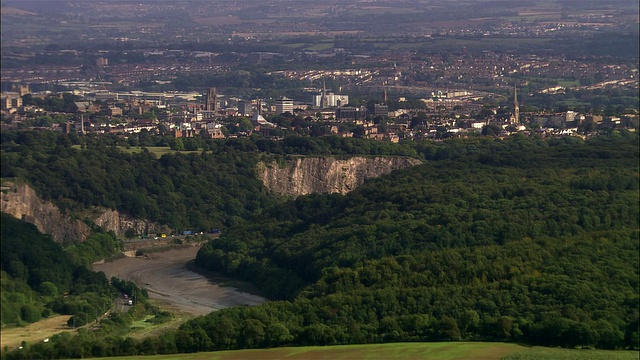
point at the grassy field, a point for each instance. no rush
(435, 351)
(320, 47)
(158, 151)
(12, 337)
(142, 325)
(141, 330)
(542, 353)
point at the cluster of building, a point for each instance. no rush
(489, 71)
(210, 115)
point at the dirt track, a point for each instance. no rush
(165, 278)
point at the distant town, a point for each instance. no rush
(240, 70)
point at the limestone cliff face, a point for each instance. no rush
(22, 202)
(308, 175)
(112, 220)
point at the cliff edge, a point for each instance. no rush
(22, 202)
(306, 175)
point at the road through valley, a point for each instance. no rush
(166, 279)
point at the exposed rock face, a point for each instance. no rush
(112, 220)
(22, 202)
(308, 175)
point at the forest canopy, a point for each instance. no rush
(523, 239)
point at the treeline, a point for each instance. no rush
(107, 338)
(41, 279)
(607, 102)
(220, 181)
(221, 186)
(518, 240)
(65, 103)
(249, 83)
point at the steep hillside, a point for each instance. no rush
(307, 175)
(222, 187)
(214, 189)
(22, 202)
(524, 240)
(40, 278)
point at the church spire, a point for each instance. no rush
(516, 106)
(323, 98)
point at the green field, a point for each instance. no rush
(320, 47)
(435, 351)
(542, 353)
(296, 45)
(158, 151)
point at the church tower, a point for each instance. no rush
(323, 98)
(212, 99)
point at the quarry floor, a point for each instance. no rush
(167, 279)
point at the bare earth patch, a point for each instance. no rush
(167, 280)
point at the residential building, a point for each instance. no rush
(245, 108)
(330, 100)
(100, 62)
(114, 111)
(284, 105)
(350, 113)
(11, 100)
(380, 110)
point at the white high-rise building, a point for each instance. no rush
(332, 100)
(284, 105)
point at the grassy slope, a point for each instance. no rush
(38, 331)
(434, 351)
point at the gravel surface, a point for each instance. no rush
(166, 278)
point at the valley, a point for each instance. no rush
(166, 278)
(522, 240)
(359, 179)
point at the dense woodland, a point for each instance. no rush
(219, 181)
(523, 239)
(222, 187)
(40, 278)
